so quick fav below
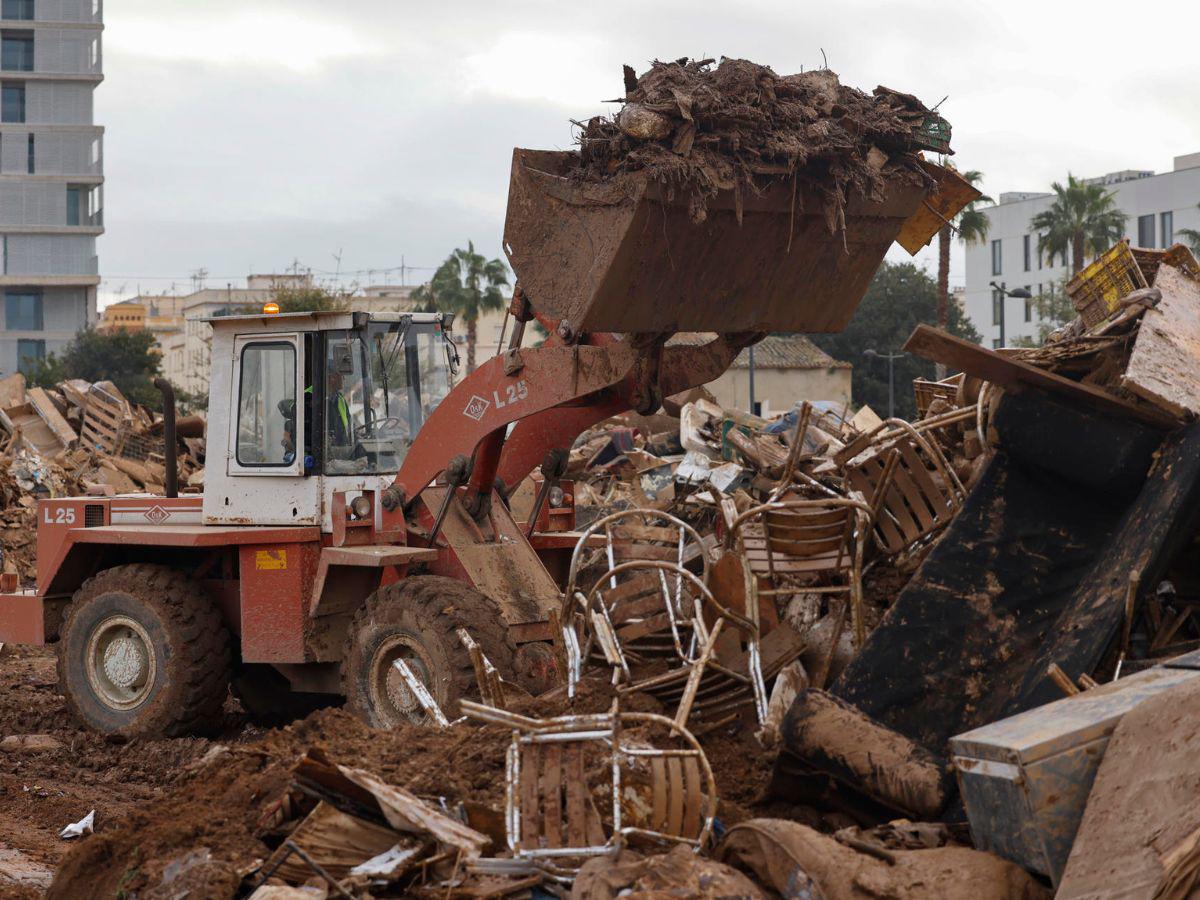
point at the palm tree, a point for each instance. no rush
(466, 284)
(1083, 219)
(972, 225)
(1191, 237)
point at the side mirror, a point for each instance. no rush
(452, 357)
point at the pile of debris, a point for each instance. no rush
(79, 439)
(736, 126)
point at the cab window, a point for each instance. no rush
(266, 431)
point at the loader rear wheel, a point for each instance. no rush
(144, 652)
(417, 620)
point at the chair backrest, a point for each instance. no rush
(800, 536)
(924, 493)
(550, 812)
(634, 534)
(650, 609)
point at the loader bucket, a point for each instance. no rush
(625, 255)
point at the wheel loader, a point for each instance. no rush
(353, 511)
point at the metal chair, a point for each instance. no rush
(791, 544)
(632, 534)
(665, 794)
(924, 493)
(650, 618)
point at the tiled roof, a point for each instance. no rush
(775, 351)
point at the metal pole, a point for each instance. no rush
(1003, 308)
(891, 385)
(751, 410)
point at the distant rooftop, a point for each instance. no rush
(1187, 161)
(775, 351)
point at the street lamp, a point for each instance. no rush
(891, 360)
(1018, 293)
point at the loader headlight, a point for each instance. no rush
(360, 507)
(556, 496)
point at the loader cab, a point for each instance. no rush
(312, 403)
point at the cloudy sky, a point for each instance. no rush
(248, 137)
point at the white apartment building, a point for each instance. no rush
(1157, 206)
(51, 175)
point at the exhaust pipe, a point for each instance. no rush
(169, 455)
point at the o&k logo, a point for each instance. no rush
(476, 407)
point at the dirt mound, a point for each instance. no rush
(219, 809)
(738, 125)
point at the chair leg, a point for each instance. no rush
(819, 676)
(697, 672)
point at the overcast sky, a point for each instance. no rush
(244, 137)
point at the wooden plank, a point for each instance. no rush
(577, 826)
(1012, 374)
(1164, 367)
(59, 427)
(531, 780)
(552, 795)
(12, 390)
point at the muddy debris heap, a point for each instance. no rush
(820, 654)
(701, 127)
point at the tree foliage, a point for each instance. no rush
(1082, 219)
(307, 298)
(129, 359)
(972, 225)
(466, 284)
(901, 296)
(1054, 309)
(1190, 236)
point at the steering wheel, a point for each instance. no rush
(380, 424)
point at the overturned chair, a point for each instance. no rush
(922, 494)
(668, 637)
(655, 794)
(628, 535)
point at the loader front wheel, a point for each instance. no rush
(417, 620)
(144, 652)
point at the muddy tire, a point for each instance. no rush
(268, 698)
(144, 651)
(416, 619)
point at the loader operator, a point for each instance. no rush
(337, 416)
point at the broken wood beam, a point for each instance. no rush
(1012, 374)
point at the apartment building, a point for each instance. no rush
(1157, 206)
(51, 175)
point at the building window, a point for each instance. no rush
(23, 310)
(996, 345)
(12, 101)
(997, 307)
(16, 51)
(74, 198)
(1028, 309)
(1039, 251)
(1146, 231)
(1167, 222)
(29, 355)
(996, 260)
(18, 9)
(1028, 249)
(31, 158)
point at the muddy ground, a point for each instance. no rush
(156, 800)
(42, 789)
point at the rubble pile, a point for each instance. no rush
(701, 128)
(80, 439)
(820, 654)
